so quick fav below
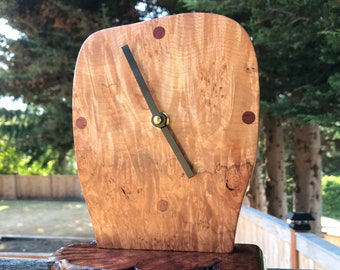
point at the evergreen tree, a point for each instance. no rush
(41, 62)
(297, 47)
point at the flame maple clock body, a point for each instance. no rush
(165, 121)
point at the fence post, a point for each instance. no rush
(294, 257)
(298, 221)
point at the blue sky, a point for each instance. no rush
(8, 102)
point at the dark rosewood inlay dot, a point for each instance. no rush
(159, 32)
(81, 122)
(248, 117)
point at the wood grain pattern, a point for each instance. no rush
(202, 71)
(86, 255)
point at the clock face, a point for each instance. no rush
(201, 70)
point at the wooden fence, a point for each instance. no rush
(274, 237)
(54, 187)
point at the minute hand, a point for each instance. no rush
(140, 80)
(155, 112)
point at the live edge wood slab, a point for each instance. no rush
(201, 70)
(88, 255)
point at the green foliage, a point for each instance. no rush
(21, 150)
(235, 9)
(297, 46)
(13, 161)
(292, 57)
(8, 158)
(40, 70)
(298, 52)
(42, 61)
(34, 135)
(331, 196)
(331, 150)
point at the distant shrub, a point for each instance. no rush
(331, 196)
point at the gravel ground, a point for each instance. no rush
(41, 221)
(47, 218)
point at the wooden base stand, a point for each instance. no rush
(90, 257)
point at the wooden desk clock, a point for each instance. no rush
(165, 122)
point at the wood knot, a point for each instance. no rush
(237, 174)
(229, 175)
(163, 205)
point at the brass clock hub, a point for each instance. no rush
(160, 120)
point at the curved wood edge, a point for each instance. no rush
(90, 257)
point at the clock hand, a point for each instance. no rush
(159, 119)
(140, 80)
(185, 165)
